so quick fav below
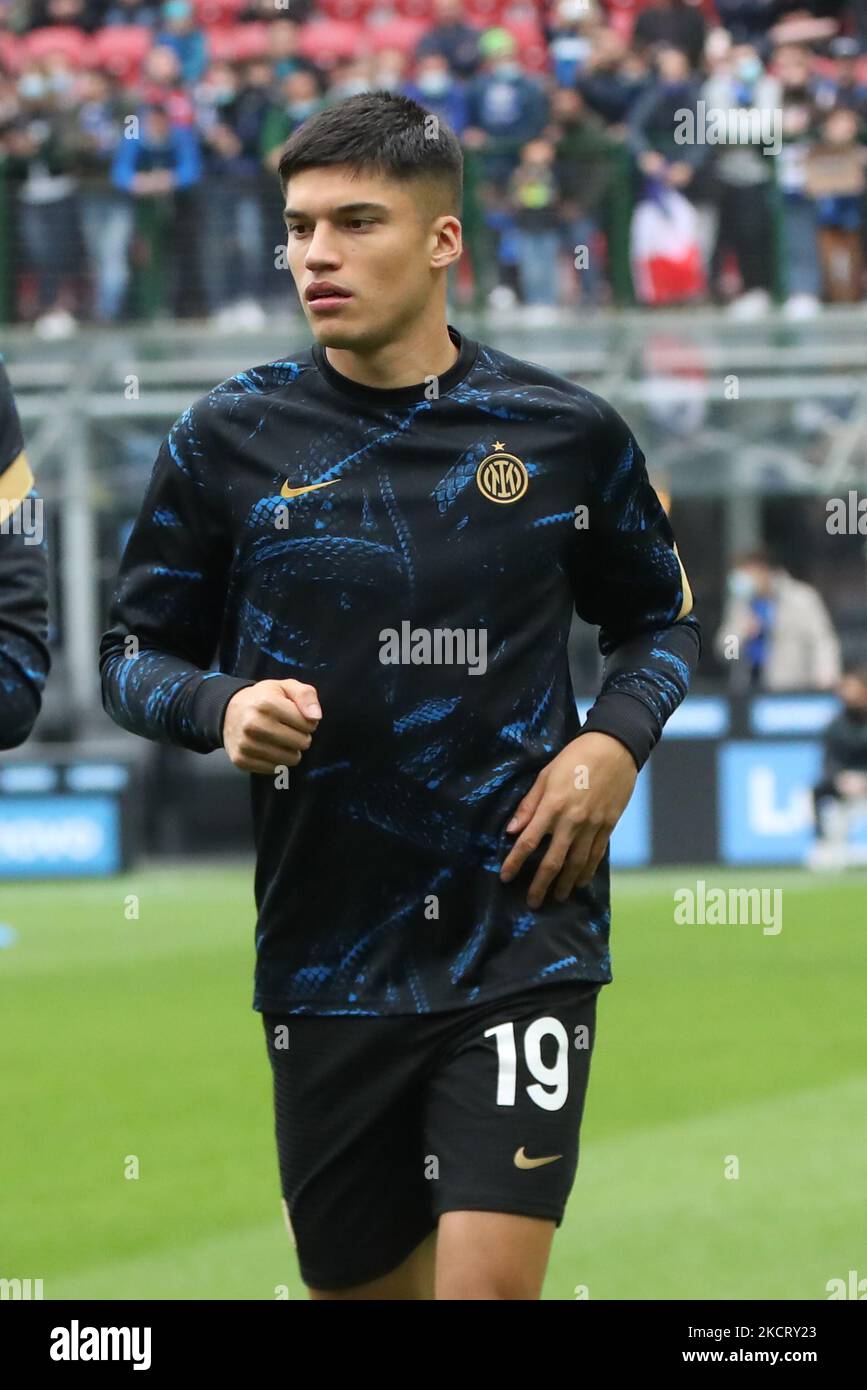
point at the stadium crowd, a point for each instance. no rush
(137, 136)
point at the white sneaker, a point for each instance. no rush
(825, 857)
(801, 306)
(752, 305)
(57, 323)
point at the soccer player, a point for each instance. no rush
(383, 540)
(24, 660)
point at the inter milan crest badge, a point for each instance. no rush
(501, 477)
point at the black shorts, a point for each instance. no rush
(383, 1124)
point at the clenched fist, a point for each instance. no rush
(270, 724)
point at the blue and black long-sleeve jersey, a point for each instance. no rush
(24, 659)
(416, 555)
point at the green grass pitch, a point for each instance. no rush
(136, 1037)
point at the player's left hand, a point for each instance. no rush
(577, 800)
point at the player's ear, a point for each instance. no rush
(447, 243)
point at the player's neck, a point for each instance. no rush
(405, 361)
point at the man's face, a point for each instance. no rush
(761, 576)
(369, 237)
(853, 693)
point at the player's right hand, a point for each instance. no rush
(270, 725)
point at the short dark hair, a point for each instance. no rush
(383, 132)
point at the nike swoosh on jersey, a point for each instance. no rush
(287, 491)
(522, 1161)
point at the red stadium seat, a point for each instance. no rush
(532, 48)
(326, 41)
(414, 9)
(74, 43)
(350, 11)
(11, 53)
(396, 33)
(210, 12)
(121, 48)
(484, 13)
(229, 43)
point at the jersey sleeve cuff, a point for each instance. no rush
(209, 707)
(627, 719)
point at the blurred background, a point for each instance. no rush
(713, 290)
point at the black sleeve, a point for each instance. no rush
(629, 582)
(167, 612)
(24, 659)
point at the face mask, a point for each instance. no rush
(31, 85)
(433, 84)
(749, 69)
(507, 69)
(741, 584)
(352, 87)
(300, 110)
(221, 96)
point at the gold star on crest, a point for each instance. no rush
(498, 444)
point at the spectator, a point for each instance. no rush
(299, 98)
(76, 14)
(675, 23)
(747, 20)
(570, 38)
(609, 83)
(155, 167)
(162, 85)
(505, 107)
(231, 112)
(845, 87)
(534, 197)
(436, 88)
(456, 41)
(284, 36)
(586, 169)
(351, 76)
(127, 12)
(835, 182)
(655, 118)
(390, 69)
(182, 36)
(801, 273)
(91, 143)
(742, 174)
(784, 635)
(39, 166)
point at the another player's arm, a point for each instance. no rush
(24, 659)
(628, 581)
(166, 620)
